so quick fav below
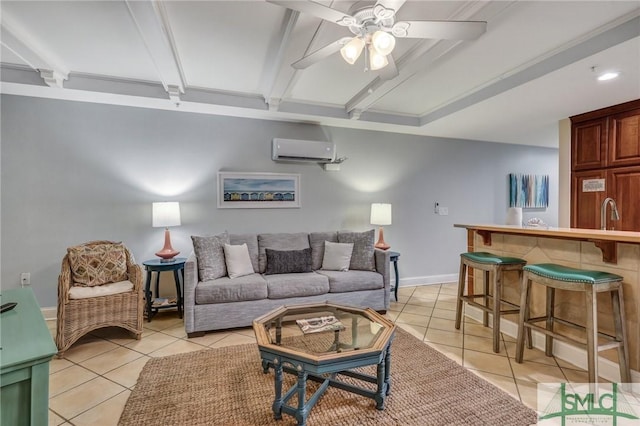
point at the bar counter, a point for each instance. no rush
(612, 251)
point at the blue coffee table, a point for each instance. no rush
(363, 337)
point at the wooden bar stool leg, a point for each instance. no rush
(528, 340)
(461, 280)
(617, 300)
(525, 288)
(497, 293)
(591, 306)
(485, 313)
(548, 343)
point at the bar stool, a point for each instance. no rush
(554, 277)
(494, 267)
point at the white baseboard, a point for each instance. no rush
(566, 352)
(50, 313)
(427, 280)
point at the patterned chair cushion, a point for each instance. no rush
(97, 264)
(362, 257)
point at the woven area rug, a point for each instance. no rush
(226, 386)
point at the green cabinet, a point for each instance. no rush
(26, 347)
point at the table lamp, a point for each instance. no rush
(381, 215)
(166, 214)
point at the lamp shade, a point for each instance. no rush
(383, 42)
(376, 59)
(351, 51)
(166, 214)
(380, 214)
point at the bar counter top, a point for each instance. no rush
(565, 233)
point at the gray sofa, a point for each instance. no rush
(222, 302)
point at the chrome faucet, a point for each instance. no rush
(603, 209)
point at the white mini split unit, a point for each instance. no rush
(301, 150)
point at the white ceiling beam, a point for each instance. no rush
(150, 20)
(28, 49)
(424, 54)
(292, 49)
(620, 30)
(277, 71)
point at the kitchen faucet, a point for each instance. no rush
(603, 209)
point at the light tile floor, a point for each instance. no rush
(91, 384)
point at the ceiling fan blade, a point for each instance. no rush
(320, 54)
(390, 71)
(445, 30)
(318, 10)
(391, 4)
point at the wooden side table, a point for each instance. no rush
(393, 257)
(157, 266)
(27, 348)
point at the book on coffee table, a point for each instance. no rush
(317, 325)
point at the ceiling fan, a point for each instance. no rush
(375, 31)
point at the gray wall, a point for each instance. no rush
(73, 172)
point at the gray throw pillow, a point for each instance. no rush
(337, 256)
(288, 261)
(362, 257)
(210, 255)
(316, 241)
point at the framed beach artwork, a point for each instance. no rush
(258, 190)
(528, 191)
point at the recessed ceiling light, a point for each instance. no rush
(608, 76)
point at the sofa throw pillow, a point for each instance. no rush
(97, 264)
(363, 249)
(252, 244)
(316, 241)
(337, 256)
(280, 241)
(237, 260)
(288, 261)
(210, 255)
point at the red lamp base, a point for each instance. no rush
(167, 253)
(381, 244)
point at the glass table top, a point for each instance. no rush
(323, 329)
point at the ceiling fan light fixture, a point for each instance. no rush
(352, 50)
(383, 42)
(376, 59)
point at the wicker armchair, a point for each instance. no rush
(85, 303)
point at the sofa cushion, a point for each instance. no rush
(288, 261)
(337, 256)
(363, 249)
(282, 241)
(316, 241)
(97, 264)
(210, 255)
(237, 260)
(282, 286)
(343, 282)
(226, 290)
(251, 240)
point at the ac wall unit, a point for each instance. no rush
(301, 150)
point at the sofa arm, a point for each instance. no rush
(383, 259)
(189, 296)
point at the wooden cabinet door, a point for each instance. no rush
(624, 139)
(585, 203)
(624, 187)
(589, 144)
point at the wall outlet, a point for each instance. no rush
(443, 211)
(25, 279)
